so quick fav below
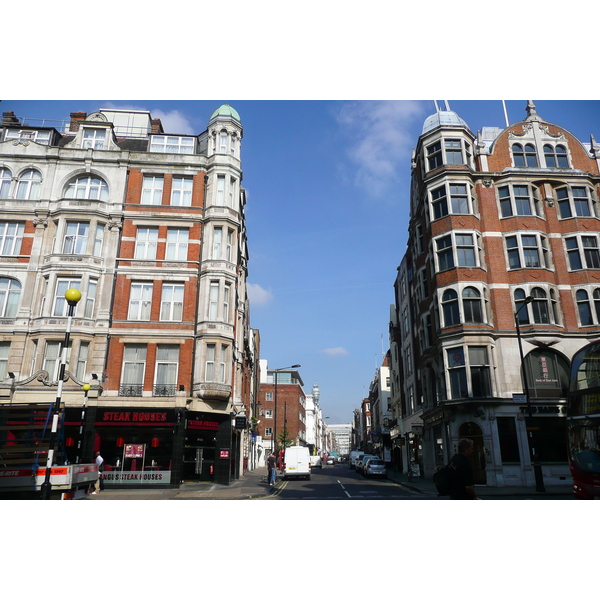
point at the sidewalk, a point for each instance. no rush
(427, 488)
(251, 485)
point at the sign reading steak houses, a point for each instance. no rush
(197, 424)
(134, 417)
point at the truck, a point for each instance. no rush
(24, 445)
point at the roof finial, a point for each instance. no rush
(531, 112)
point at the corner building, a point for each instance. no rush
(504, 225)
(150, 227)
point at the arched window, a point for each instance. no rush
(10, 294)
(524, 157)
(28, 187)
(597, 304)
(450, 308)
(556, 156)
(5, 177)
(547, 374)
(472, 307)
(539, 306)
(87, 187)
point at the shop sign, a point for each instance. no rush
(127, 477)
(240, 422)
(204, 425)
(520, 398)
(543, 409)
(135, 417)
(224, 453)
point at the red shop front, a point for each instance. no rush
(138, 446)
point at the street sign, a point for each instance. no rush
(519, 398)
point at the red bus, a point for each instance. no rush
(583, 422)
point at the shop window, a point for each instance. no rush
(509, 442)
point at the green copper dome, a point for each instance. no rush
(226, 111)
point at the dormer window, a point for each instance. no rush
(524, 156)
(28, 135)
(94, 138)
(172, 144)
(556, 156)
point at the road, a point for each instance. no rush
(339, 482)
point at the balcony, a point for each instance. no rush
(164, 389)
(131, 389)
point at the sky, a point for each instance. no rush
(327, 214)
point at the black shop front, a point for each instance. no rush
(141, 448)
(207, 452)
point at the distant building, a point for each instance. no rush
(342, 434)
(282, 406)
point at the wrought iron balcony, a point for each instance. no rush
(164, 389)
(131, 389)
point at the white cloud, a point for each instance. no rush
(258, 296)
(173, 121)
(335, 351)
(382, 140)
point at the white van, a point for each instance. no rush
(296, 462)
(353, 456)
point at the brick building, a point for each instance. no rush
(282, 406)
(150, 227)
(504, 226)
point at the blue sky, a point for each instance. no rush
(327, 214)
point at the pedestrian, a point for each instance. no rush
(272, 469)
(463, 487)
(99, 485)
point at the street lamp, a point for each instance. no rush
(537, 468)
(72, 296)
(275, 413)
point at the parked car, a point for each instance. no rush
(360, 463)
(375, 467)
(330, 460)
(316, 462)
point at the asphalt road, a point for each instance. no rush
(339, 482)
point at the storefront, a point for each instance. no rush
(208, 452)
(139, 447)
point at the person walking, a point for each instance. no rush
(463, 487)
(99, 485)
(272, 469)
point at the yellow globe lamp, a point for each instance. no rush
(73, 296)
(86, 387)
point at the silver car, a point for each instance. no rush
(375, 466)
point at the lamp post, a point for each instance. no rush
(275, 413)
(537, 468)
(72, 296)
(86, 389)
